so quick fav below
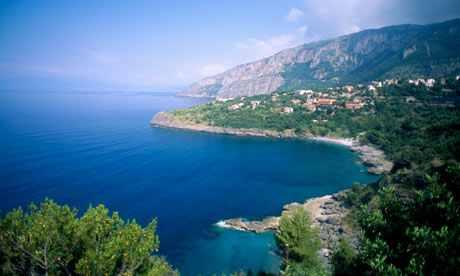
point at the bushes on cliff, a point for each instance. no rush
(344, 259)
(415, 236)
(51, 240)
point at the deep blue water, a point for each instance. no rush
(82, 148)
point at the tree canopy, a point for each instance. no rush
(299, 239)
(51, 240)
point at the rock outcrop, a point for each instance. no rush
(410, 51)
(268, 223)
(373, 158)
(326, 212)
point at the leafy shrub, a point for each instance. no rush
(51, 240)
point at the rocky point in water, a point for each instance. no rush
(326, 212)
(373, 158)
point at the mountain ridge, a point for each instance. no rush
(400, 51)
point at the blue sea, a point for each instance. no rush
(98, 147)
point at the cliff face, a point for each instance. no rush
(405, 51)
(254, 78)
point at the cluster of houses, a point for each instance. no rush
(428, 82)
(344, 96)
(374, 84)
(313, 100)
(317, 99)
(254, 104)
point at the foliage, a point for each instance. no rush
(51, 240)
(249, 273)
(296, 269)
(413, 133)
(344, 259)
(297, 233)
(354, 195)
(415, 236)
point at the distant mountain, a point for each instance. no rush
(404, 51)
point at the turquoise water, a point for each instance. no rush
(82, 148)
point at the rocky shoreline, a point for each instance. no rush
(268, 223)
(161, 119)
(374, 159)
(326, 212)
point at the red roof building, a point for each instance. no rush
(326, 101)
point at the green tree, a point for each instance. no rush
(42, 242)
(297, 236)
(51, 240)
(344, 259)
(354, 194)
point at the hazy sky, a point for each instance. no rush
(166, 45)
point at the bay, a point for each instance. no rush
(98, 147)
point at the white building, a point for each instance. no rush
(430, 82)
(233, 107)
(254, 104)
(288, 110)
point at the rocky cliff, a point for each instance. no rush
(405, 51)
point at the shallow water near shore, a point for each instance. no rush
(82, 148)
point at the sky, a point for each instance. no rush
(166, 45)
